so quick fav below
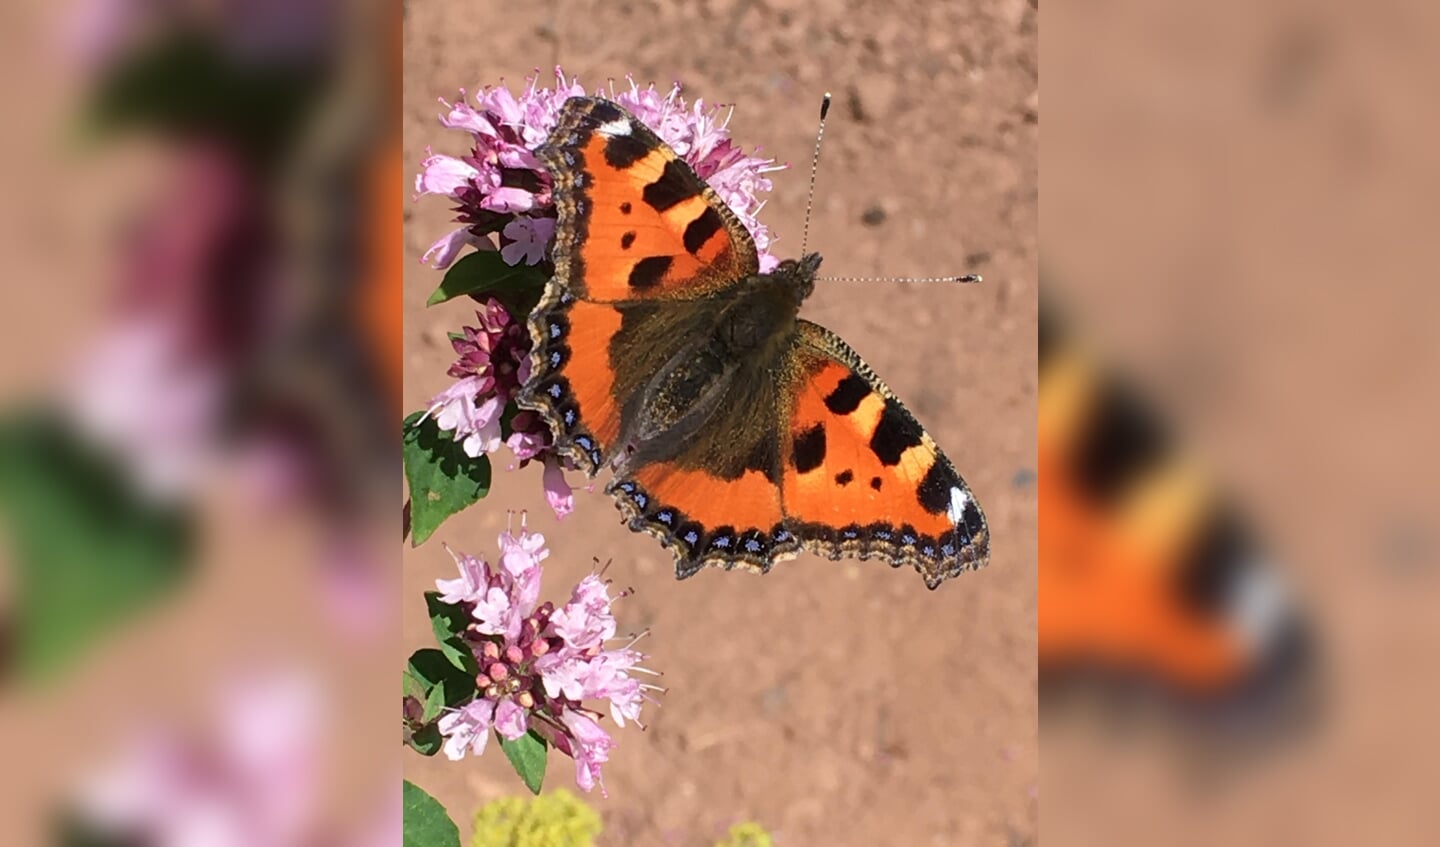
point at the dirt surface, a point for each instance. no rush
(834, 703)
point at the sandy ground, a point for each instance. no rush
(835, 703)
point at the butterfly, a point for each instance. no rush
(1146, 572)
(739, 433)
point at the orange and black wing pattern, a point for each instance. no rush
(1146, 574)
(842, 469)
(707, 516)
(860, 477)
(635, 226)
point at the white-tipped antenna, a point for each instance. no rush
(814, 166)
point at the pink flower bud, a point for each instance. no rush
(498, 671)
(539, 648)
(525, 699)
(514, 655)
(490, 650)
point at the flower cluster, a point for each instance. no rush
(252, 773)
(494, 362)
(502, 187)
(539, 663)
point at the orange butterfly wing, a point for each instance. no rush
(635, 222)
(635, 225)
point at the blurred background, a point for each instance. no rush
(1237, 207)
(197, 453)
(832, 703)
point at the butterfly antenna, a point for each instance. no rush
(810, 205)
(814, 166)
(968, 278)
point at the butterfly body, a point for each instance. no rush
(738, 432)
(730, 356)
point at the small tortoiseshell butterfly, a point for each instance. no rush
(1149, 578)
(739, 433)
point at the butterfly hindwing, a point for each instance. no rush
(863, 478)
(707, 518)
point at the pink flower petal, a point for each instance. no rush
(446, 249)
(474, 578)
(508, 199)
(493, 611)
(510, 720)
(557, 491)
(444, 175)
(592, 745)
(467, 730)
(462, 116)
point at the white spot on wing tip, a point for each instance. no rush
(959, 497)
(1260, 606)
(610, 129)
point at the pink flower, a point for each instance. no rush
(526, 445)
(562, 674)
(494, 612)
(557, 491)
(494, 362)
(447, 248)
(591, 749)
(471, 585)
(586, 621)
(609, 678)
(510, 720)
(252, 779)
(467, 730)
(494, 350)
(529, 240)
(520, 559)
(444, 175)
(539, 664)
(521, 555)
(476, 425)
(138, 391)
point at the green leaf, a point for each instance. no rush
(459, 654)
(427, 824)
(427, 741)
(434, 703)
(412, 687)
(446, 620)
(484, 274)
(89, 552)
(188, 83)
(443, 480)
(430, 668)
(438, 683)
(527, 755)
